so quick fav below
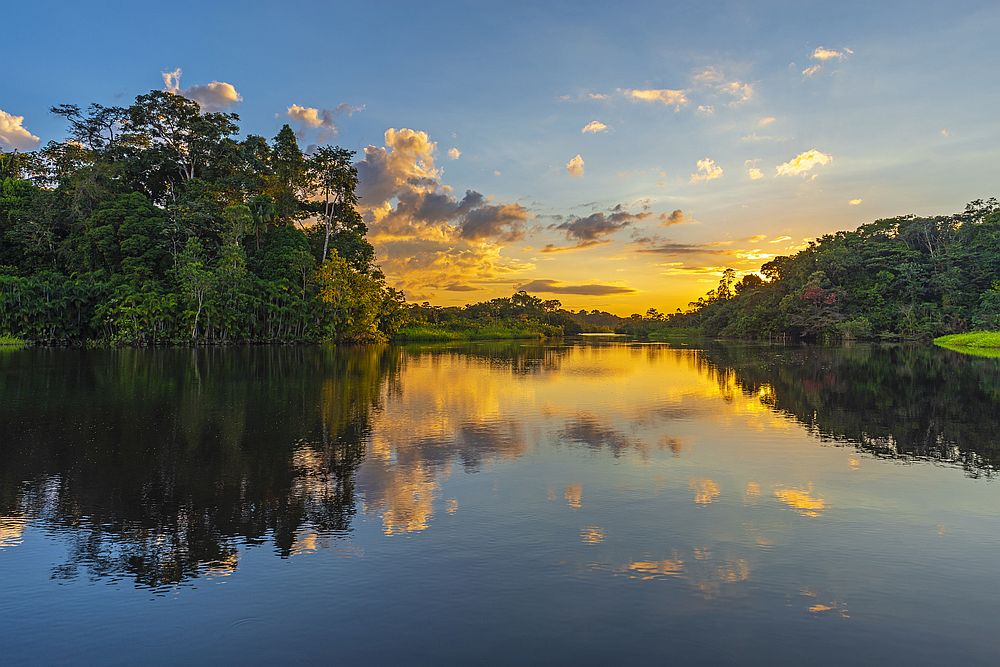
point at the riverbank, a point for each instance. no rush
(432, 333)
(979, 343)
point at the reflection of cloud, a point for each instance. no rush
(706, 491)
(655, 569)
(801, 500)
(573, 495)
(11, 530)
(592, 535)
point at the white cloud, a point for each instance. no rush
(594, 127)
(743, 92)
(598, 96)
(803, 162)
(575, 166)
(213, 96)
(855, 202)
(812, 70)
(454, 153)
(706, 109)
(666, 96)
(708, 170)
(753, 171)
(945, 132)
(13, 133)
(764, 121)
(823, 54)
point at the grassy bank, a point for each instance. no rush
(430, 332)
(11, 341)
(980, 343)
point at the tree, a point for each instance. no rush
(335, 180)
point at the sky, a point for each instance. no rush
(616, 156)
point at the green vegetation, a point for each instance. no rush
(519, 316)
(11, 341)
(153, 224)
(901, 278)
(979, 343)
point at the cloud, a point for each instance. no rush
(855, 202)
(213, 96)
(321, 119)
(754, 138)
(706, 109)
(666, 247)
(504, 222)
(824, 54)
(575, 166)
(665, 96)
(454, 287)
(945, 132)
(594, 127)
(424, 235)
(597, 226)
(812, 70)
(753, 171)
(454, 153)
(803, 162)
(598, 96)
(780, 239)
(743, 92)
(675, 217)
(557, 287)
(708, 170)
(14, 134)
(764, 121)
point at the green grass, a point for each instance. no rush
(979, 343)
(428, 332)
(11, 341)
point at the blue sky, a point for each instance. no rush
(901, 114)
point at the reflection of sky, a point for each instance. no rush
(501, 502)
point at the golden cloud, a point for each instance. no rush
(14, 134)
(594, 127)
(803, 163)
(665, 96)
(575, 166)
(212, 96)
(708, 170)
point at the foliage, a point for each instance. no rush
(153, 224)
(901, 278)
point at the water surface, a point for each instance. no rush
(580, 503)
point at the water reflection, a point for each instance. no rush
(161, 466)
(904, 402)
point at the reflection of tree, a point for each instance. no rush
(906, 402)
(161, 462)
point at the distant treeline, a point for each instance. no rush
(152, 224)
(900, 278)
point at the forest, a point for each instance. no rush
(903, 278)
(152, 224)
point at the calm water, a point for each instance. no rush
(584, 503)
